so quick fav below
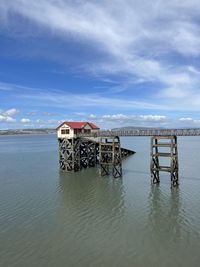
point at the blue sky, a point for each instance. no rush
(115, 63)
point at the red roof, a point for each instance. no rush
(93, 126)
(78, 125)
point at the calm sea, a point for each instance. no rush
(85, 220)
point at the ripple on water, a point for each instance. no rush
(82, 219)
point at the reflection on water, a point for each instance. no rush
(174, 237)
(90, 196)
(91, 213)
(165, 216)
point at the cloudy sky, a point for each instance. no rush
(112, 62)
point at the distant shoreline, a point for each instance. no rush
(37, 134)
(24, 132)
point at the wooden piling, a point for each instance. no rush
(110, 156)
(170, 144)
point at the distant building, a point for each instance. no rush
(74, 129)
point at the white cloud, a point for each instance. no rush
(110, 121)
(135, 118)
(57, 99)
(92, 116)
(153, 118)
(190, 122)
(186, 119)
(147, 41)
(135, 35)
(6, 118)
(25, 120)
(118, 120)
(7, 115)
(168, 100)
(10, 112)
(116, 117)
(187, 41)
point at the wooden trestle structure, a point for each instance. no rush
(110, 156)
(169, 144)
(86, 152)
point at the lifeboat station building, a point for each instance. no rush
(75, 129)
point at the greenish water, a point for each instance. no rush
(82, 219)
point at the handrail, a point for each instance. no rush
(152, 132)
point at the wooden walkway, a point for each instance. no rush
(153, 132)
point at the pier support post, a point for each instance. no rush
(88, 153)
(154, 161)
(110, 156)
(69, 154)
(77, 153)
(169, 144)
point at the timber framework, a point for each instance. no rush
(82, 152)
(164, 147)
(83, 145)
(80, 146)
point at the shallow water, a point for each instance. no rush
(83, 219)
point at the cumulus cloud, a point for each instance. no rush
(118, 120)
(135, 118)
(10, 112)
(6, 119)
(115, 117)
(92, 116)
(153, 118)
(25, 120)
(190, 122)
(7, 115)
(109, 121)
(186, 119)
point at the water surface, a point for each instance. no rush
(83, 219)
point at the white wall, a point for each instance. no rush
(71, 131)
(64, 126)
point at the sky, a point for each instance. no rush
(112, 62)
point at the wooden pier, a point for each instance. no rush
(169, 145)
(83, 145)
(85, 152)
(110, 156)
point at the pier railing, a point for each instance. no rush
(143, 132)
(153, 132)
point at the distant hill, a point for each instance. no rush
(27, 131)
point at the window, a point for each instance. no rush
(87, 131)
(65, 131)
